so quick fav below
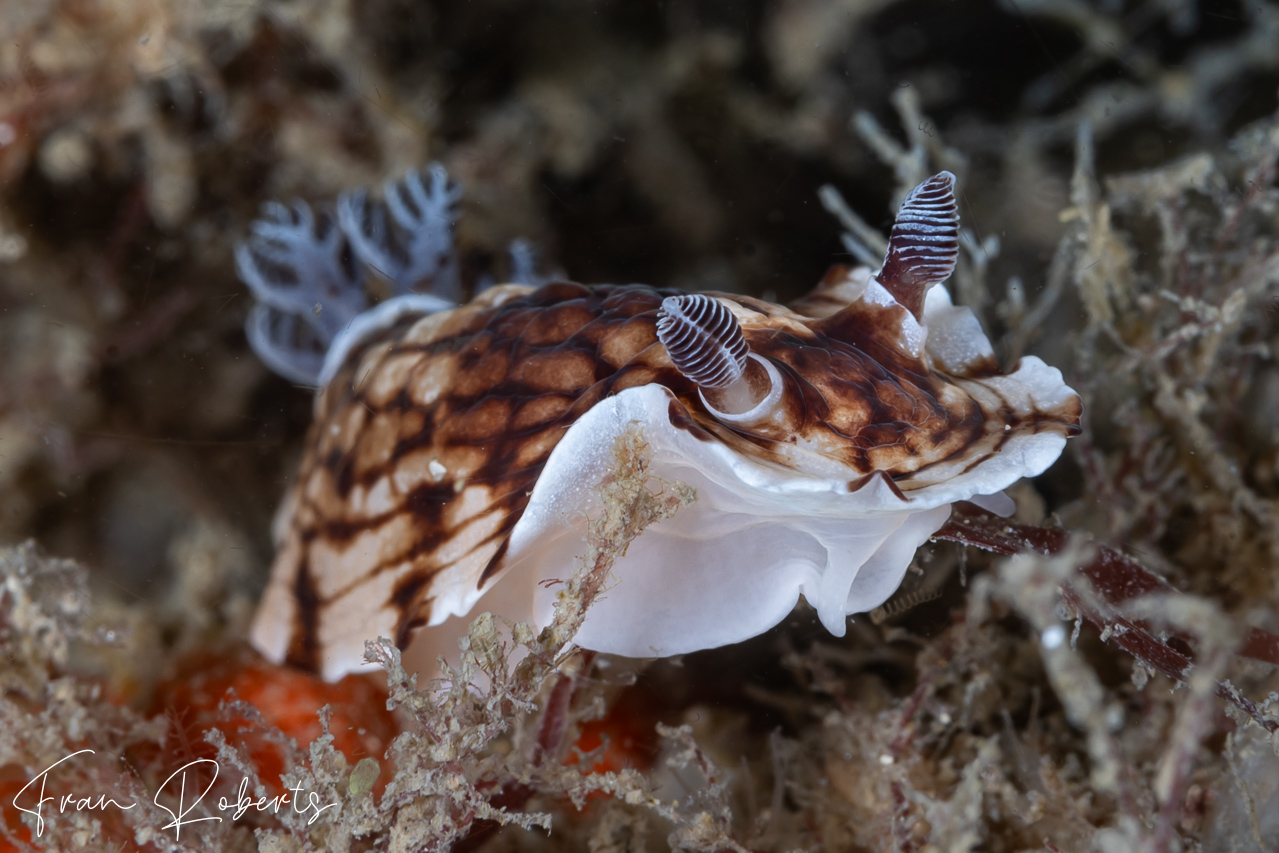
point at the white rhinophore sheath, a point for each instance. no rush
(706, 344)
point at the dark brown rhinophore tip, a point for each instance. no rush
(924, 245)
(703, 339)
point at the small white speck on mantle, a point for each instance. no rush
(437, 470)
(886, 759)
(1053, 636)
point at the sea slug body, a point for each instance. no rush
(456, 449)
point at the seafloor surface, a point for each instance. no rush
(1116, 162)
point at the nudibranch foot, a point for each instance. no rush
(458, 451)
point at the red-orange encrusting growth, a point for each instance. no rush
(287, 699)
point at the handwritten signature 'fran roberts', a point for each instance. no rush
(293, 798)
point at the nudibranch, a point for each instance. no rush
(457, 449)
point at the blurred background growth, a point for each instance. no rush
(1116, 163)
